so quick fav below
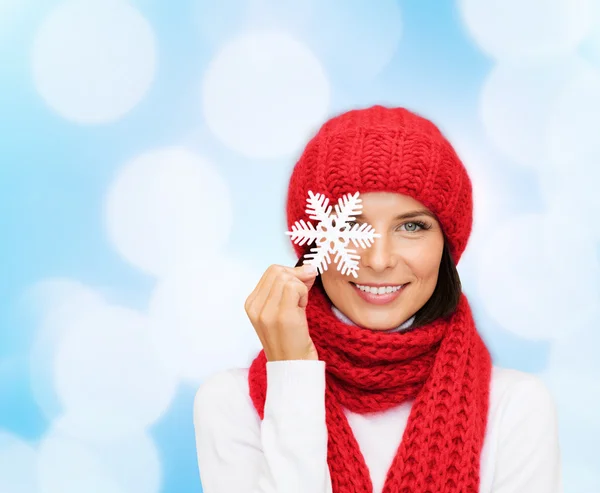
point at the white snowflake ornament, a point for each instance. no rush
(333, 233)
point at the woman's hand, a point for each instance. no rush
(277, 310)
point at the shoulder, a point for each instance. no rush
(522, 434)
(520, 399)
(222, 396)
(506, 383)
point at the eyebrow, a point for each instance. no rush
(406, 215)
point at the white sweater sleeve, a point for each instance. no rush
(285, 453)
(528, 455)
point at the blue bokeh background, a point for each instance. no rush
(189, 114)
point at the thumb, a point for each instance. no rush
(310, 281)
(308, 275)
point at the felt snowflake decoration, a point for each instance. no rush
(333, 233)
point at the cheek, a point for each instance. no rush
(424, 262)
(333, 280)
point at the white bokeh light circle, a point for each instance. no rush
(539, 275)
(167, 208)
(93, 61)
(70, 465)
(475, 153)
(478, 158)
(573, 130)
(516, 103)
(527, 30)
(572, 177)
(198, 319)
(18, 465)
(58, 305)
(108, 376)
(355, 39)
(566, 191)
(264, 94)
(135, 461)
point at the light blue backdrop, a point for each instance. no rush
(144, 152)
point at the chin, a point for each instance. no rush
(379, 322)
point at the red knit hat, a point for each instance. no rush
(382, 149)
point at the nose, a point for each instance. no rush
(380, 255)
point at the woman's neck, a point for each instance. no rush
(406, 325)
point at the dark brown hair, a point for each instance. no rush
(445, 296)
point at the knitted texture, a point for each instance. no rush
(443, 367)
(385, 150)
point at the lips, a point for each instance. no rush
(378, 299)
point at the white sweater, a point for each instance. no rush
(287, 452)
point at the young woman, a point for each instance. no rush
(379, 383)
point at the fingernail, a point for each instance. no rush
(309, 269)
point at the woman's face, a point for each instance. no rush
(405, 260)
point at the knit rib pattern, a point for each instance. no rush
(381, 149)
(444, 367)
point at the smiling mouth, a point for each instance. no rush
(380, 294)
(378, 289)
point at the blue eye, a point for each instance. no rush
(409, 227)
(414, 226)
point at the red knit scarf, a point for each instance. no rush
(444, 366)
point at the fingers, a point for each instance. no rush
(280, 318)
(271, 307)
(306, 273)
(311, 276)
(264, 290)
(276, 309)
(303, 271)
(257, 298)
(294, 294)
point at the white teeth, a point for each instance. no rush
(380, 290)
